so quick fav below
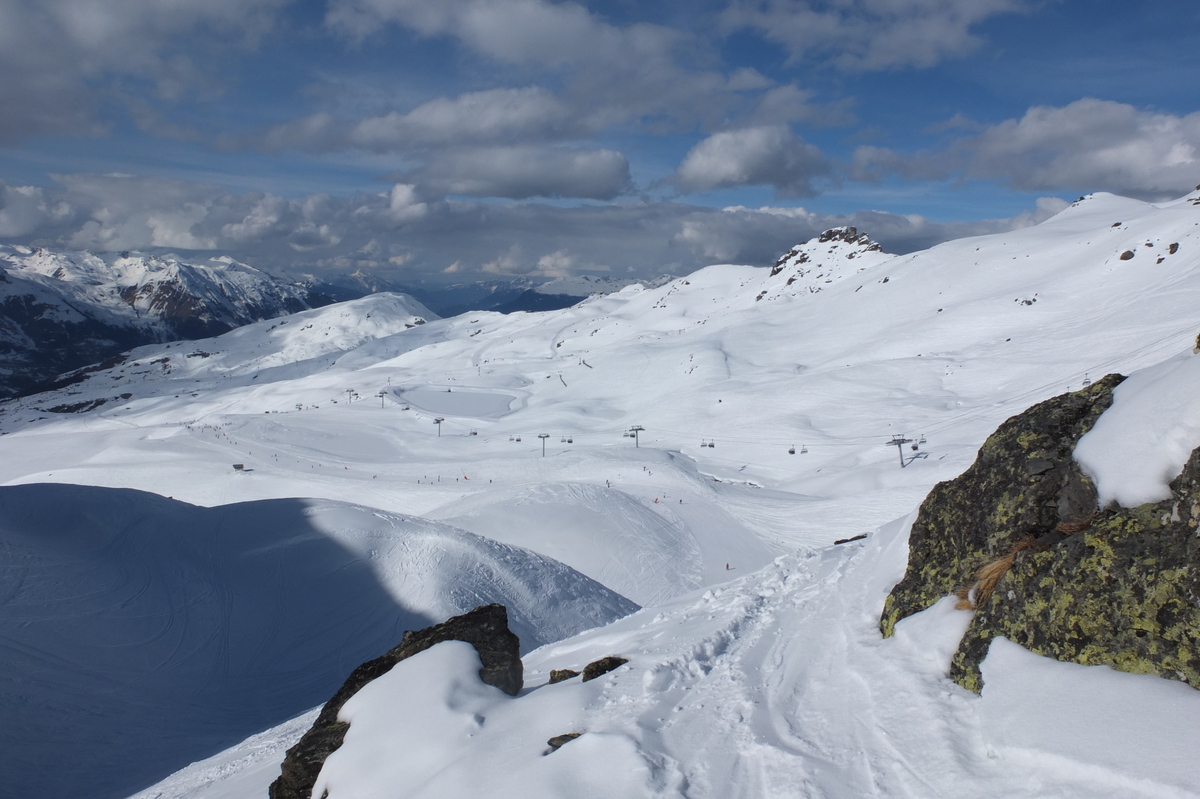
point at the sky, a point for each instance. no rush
(439, 141)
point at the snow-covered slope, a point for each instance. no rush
(766, 400)
(121, 607)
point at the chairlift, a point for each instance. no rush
(510, 438)
(915, 447)
(922, 439)
(562, 440)
(803, 450)
(792, 450)
(473, 432)
(518, 439)
(1086, 380)
(712, 444)
(570, 440)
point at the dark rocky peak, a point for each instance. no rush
(849, 235)
(835, 243)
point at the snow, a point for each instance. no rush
(460, 736)
(1085, 718)
(766, 678)
(119, 605)
(1141, 443)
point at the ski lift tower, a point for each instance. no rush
(543, 437)
(637, 428)
(438, 421)
(898, 442)
(381, 395)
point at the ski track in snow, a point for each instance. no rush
(764, 679)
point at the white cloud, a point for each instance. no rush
(322, 234)
(527, 171)
(404, 204)
(611, 75)
(494, 116)
(861, 35)
(1091, 145)
(1088, 145)
(769, 155)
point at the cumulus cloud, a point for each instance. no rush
(611, 75)
(60, 58)
(769, 155)
(1088, 145)
(487, 117)
(863, 35)
(324, 235)
(520, 172)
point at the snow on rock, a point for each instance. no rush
(460, 737)
(1141, 443)
(123, 610)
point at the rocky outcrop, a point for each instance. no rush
(1117, 587)
(562, 675)
(598, 668)
(485, 628)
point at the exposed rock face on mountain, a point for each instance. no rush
(61, 311)
(1112, 587)
(485, 628)
(812, 267)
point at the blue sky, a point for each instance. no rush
(457, 140)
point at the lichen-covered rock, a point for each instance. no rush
(1118, 587)
(558, 741)
(562, 675)
(485, 628)
(598, 668)
(1024, 483)
(1123, 593)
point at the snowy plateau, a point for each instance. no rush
(199, 543)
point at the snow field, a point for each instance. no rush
(775, 683)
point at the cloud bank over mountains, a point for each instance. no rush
(464, 137)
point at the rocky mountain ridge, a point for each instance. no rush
(64, 310)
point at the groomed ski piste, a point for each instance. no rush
(161, 606)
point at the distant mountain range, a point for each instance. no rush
(60, 311)
(63, 310)
(503, 296)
